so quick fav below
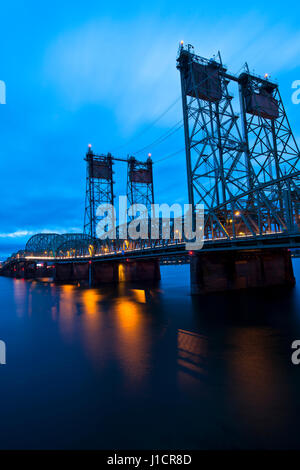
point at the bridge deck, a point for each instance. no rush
(173, 249)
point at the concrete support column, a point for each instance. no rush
(30, 270)
(221, 271)
(63, 272)
(96, 273)
(72, 272)
(104, 272)
(139, 270)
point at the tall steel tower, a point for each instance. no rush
(99, 188)
(140, 182)
(271, 149)
(242, 169)
(214, 145)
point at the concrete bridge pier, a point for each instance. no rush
(231, 270)
(128, 270)
(20, 269)
(103, 273)
(30, 270)
(45, 270)
(69, 272)
(12, 271)
(96, 273)
(139, 270)
(90, 273)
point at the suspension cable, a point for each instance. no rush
(162, 138)
(170, 156)
(149, 126)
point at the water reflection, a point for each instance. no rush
(111, 324)
(67, 310)
(212, 372)
(21, 297)
(132, 340)
(90, 299)
(139, 295)
(258, 378)
(91, 323)
(192, 352)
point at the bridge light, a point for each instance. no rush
(90, 146)
(266, 75)
(181, 42)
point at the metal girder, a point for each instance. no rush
(99, 188)
(140, 189)
(50, 244)
(78, 247)
(43, 243)
(243, 168)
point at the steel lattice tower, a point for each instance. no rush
(271, 149)
(140, 188)
(244, 170)
(99, 188)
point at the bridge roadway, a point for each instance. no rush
(243, 262)
(278, 240)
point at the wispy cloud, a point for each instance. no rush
(130, 67)
(29, 233)
(16, 234)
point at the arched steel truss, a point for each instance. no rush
(81, 246)
(54, 244)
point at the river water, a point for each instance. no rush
(129, 367)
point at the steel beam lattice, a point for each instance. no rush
(99, 188)
(140, 188)
(242, 167)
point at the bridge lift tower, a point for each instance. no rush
(140, 188)
(243, 167)
(99, 185)
(213, 140)
(271, 150)
(99, 188)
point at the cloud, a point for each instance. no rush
(16, 234)
(115, 64)
(130, 66)
(29, 233)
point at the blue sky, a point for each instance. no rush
(101, 73)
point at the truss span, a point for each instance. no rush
(51, 243)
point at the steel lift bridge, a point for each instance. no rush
(244, 167)
(242, 164)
